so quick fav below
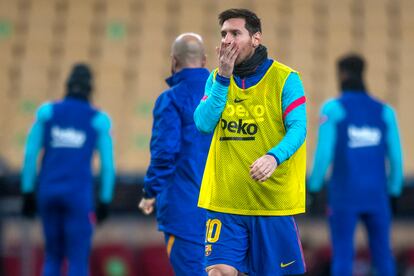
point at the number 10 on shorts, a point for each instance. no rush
(213, 228)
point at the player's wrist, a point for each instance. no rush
(224, 73)
(222, 79)
(147, 194)
(275, 157)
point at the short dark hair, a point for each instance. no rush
(253, 23)
(79, 83)
(351, 63)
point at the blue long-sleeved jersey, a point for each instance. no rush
(372, 131)
(178, 156)
(68, 143)
(209, 111)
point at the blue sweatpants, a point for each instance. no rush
(377, 223)
(67, 227)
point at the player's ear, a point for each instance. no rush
(174, 63)
(204, 61)
(256, 39)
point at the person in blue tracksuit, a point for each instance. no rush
(178, 156)
(68, 131)
(359, 135)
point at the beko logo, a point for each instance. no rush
(243, 124)
(239, 127)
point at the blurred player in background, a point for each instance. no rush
(358, 134)
(178, 156)
(68, 131)
(255, 173)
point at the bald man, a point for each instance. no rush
(178, 156)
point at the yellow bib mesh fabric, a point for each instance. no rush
(249, 127)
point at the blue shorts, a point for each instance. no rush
(186, 257)
(256, 245)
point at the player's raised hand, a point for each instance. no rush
(227, 54)
(263, 168)
(146, 205)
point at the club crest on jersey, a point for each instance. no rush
(208, 249)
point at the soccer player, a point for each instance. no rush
(68, 131)
(358, 134)
(254, 181)
(178, 156)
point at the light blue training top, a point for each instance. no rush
(101, 123)
(331, 114)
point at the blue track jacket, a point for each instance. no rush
(178, 156)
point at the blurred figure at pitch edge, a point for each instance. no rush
(68, 131)
(358, 134)
(178, 156)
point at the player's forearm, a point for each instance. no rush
(28, 173)
(321, 163)
(209, 111)
(395, 178)
(108, 183)
(158, 175)
(294, 138)
(107, 169)
(33, 145)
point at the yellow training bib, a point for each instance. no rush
(249, 127)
